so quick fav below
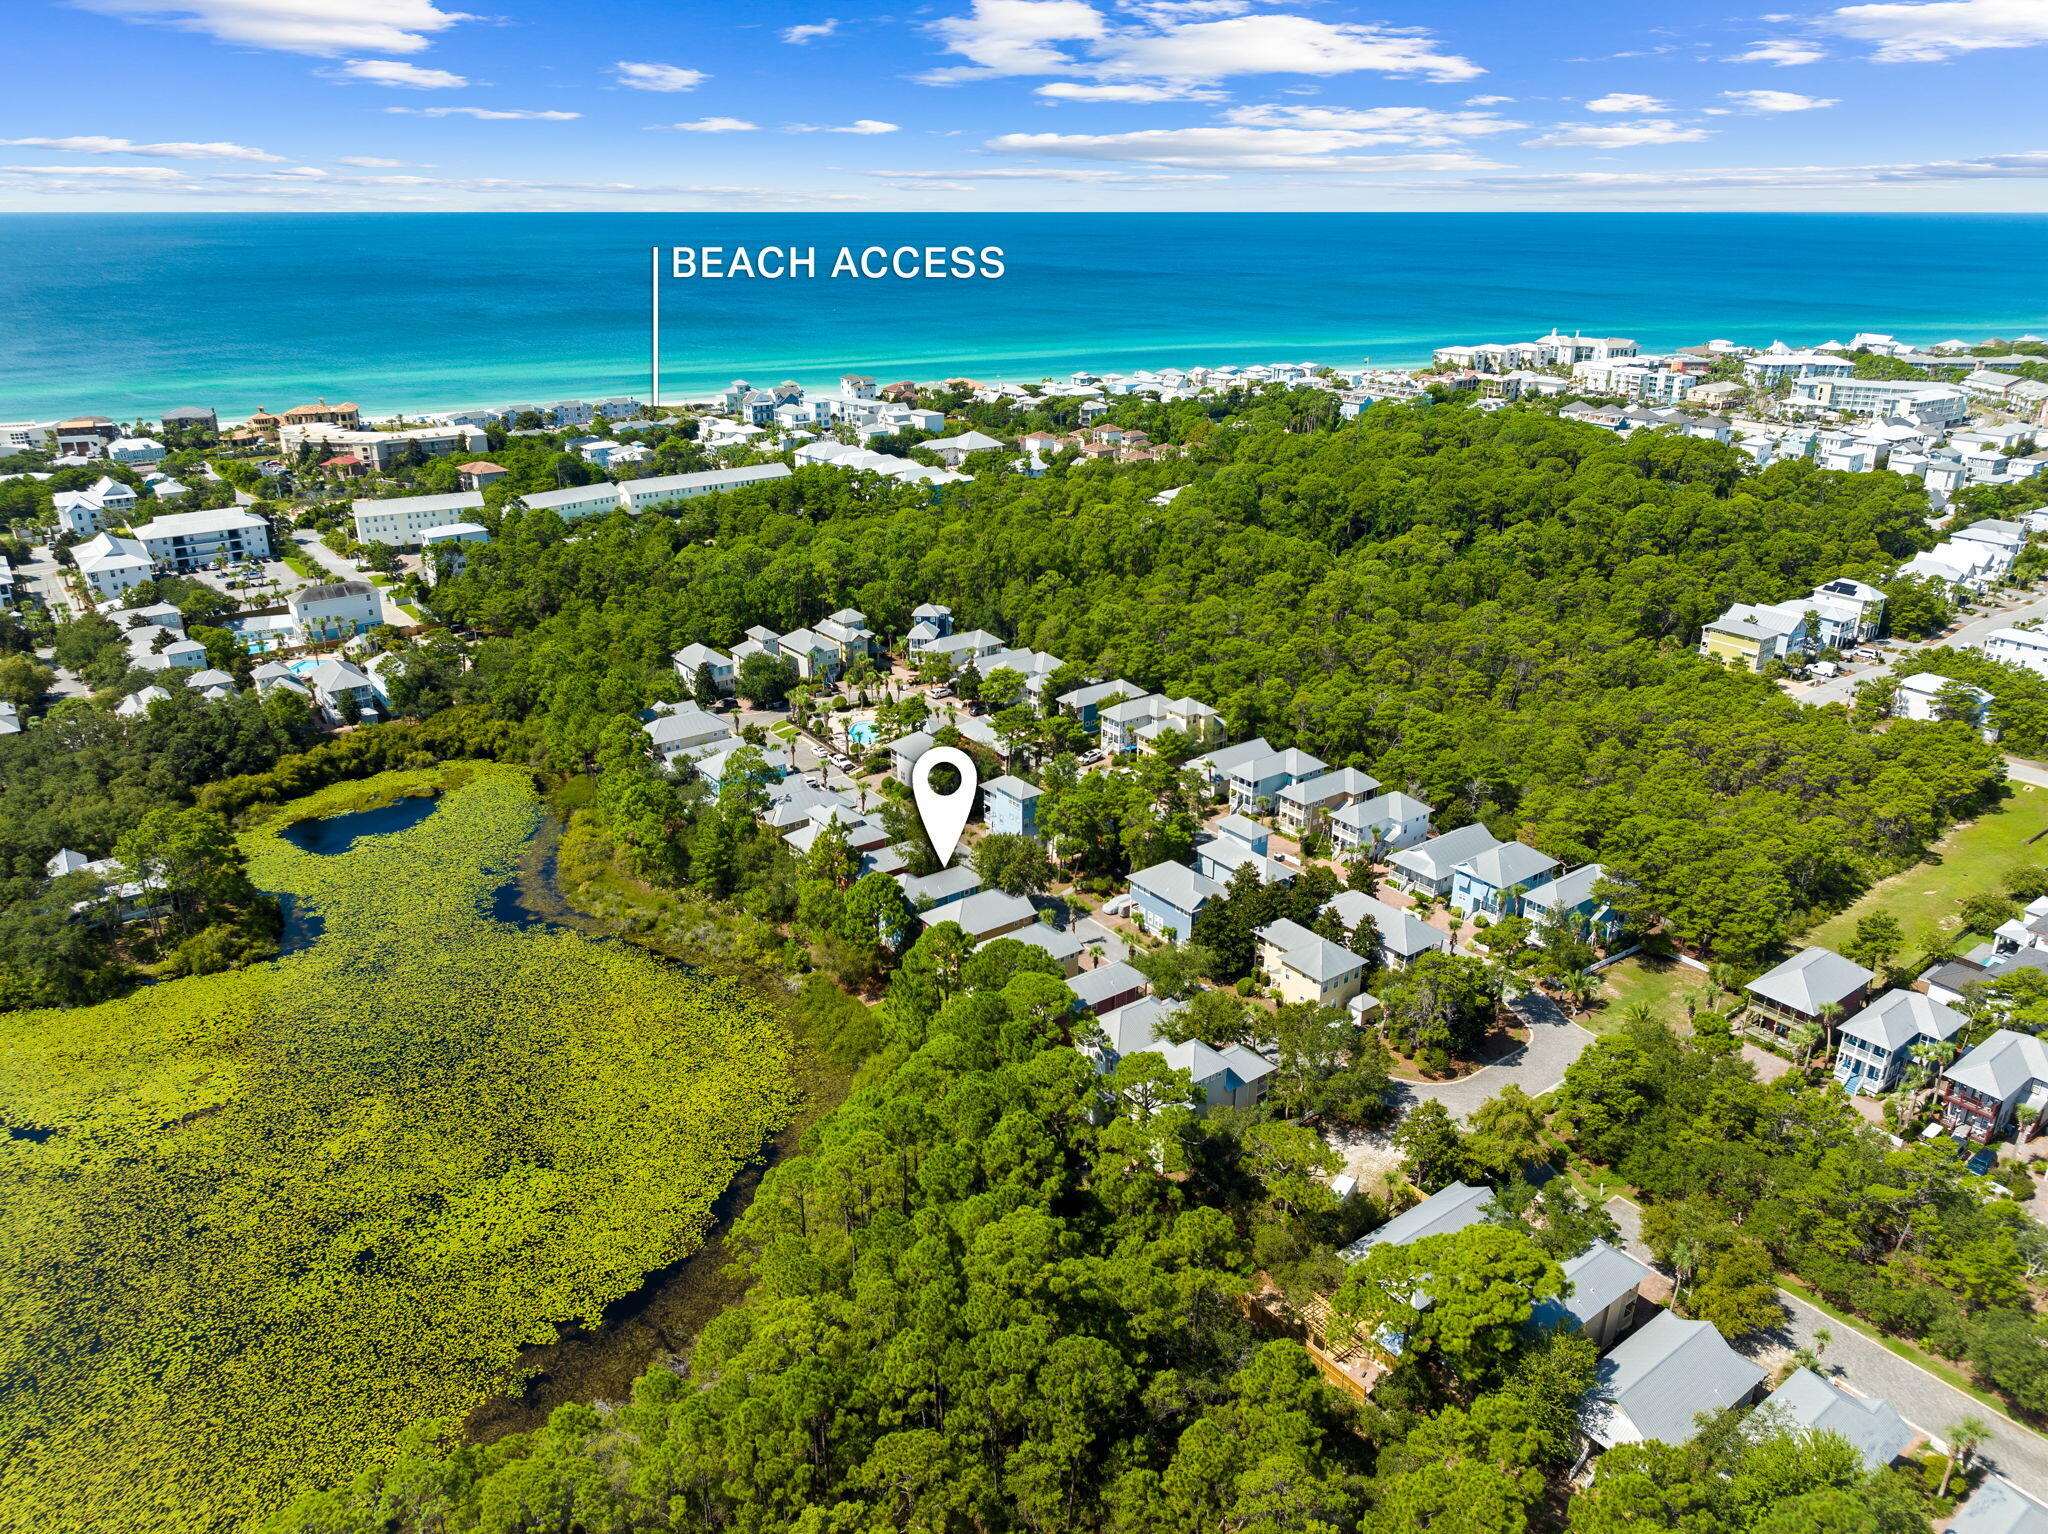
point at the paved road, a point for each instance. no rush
(1930, 1404)
(1555, 1041)
(1842, 689)
(2022, 771)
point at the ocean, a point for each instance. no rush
(125, 315)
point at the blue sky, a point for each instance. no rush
(1025, 104)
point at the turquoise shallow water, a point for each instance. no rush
(130, 314)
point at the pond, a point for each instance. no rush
(334, 834)
(527, 899)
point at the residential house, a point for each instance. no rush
(337, 685)
(1569, 898)
(1010, 806)
(1137, 722)
(1305, 807)
(931, 891)
(137, 704)
(985, 914)
(691, 658)
(112, 565)
(1219, 857)
(84, 512)
(1878, 1434)
(1231, 1077)
(973, 645)
(1062, 947)
(905, 750)
(927, 623)
(10, 718)
(1216, 767)
(1651, 1387)
(1387, 823)
(84, 436)
(1603, 1296)
(1805, 987)
(1492, 882)
(1166, 897)
(1999, 1507)
(1921, 696)
(1428, 868)
(1403, 938)
(135, 450)
(1257, 782)
(2019, 647)
(1107, 987)
(1308, 968)
(474, 476)
(953, 451)
(1752, 637)
(680, 731)
(1981, 1094)
(1444, 1213)
(336, 610)
(189, 418)
(1086, 703)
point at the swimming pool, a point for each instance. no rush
(862, 732)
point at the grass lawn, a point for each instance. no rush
(1655, 979)
(1970, 860)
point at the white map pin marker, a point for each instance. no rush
(944, 814)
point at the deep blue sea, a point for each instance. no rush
(128, 314)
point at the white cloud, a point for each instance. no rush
(658, 77)
(370, 162)
(1615, 135)
(865, 126)
(485, 114)
(321, 27)
(1016, 37)
(711, 125)
(1487, 101)
(1162, 12)
(1296, 149)
(1912, 34)
(101, 172)
(1282, 45)
(1030, 37)
(1621, 101)
(1378, 125)
(1781, 51)
(1777, 101)
(396, 72)
(1073, 90)
(92, 143)
(2029, 166)
(810, 30)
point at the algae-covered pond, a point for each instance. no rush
(277, 1216)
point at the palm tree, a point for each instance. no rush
(1830, 1015)
(1964, 1440)
(1803, 1038)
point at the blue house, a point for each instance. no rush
(1010, 806)
(1262, 777)
(1570, 898)
(1494, 881)
(1167, 896)
(1086, 703)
